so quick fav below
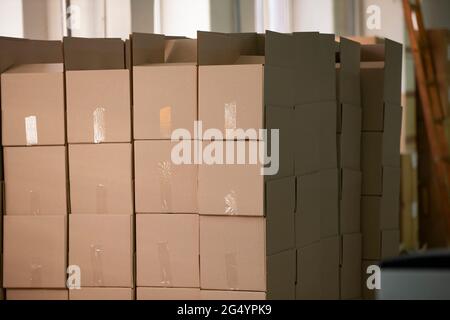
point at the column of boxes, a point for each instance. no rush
(167, 222)
(380, 156)
(101, 221)
(35, 224)
(349, 142)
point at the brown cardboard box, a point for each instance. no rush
(165, 99)
(165, 85)
(379, 228)
(318, 270)
(102, 294)
(281, 275)
(317, 214)
(34, 252)
(232, 253)
(162, 186)
(167, 294)
(231, 295)
(101, 179)
(167, 250)
(98, 106)
(33, 105)
(37, 294)
(231, 189)
(381, 72)
(378, 162)
(101, 245)
(350, 201)
(231, 96)
(351, 257)
(35, 180)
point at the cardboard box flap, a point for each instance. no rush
(37, 68)
(391, 53)
(147, 48)
(350, 204)
(180, 50)
(350, 142)
(351, 266)
(370, 226)
(329, 203)
(93, 54)
(330, 262)
(390, 200)
(349, 80)
(279, 49)
(308, 214)
(215, 48)
(281, 275)
(391, 135)
(326, 71)
(23, 51)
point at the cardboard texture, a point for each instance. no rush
(167, 250)
(35, 180)
(160, 185)
(379, 229)
(281, 275)
(318, 270)
(102, 246)
(351, 257)
(93, 54)
(102, 185)
(167, 294)
(375, 159)
(280, 215)
(34, 252)
(232, 253)
(98, 106)
(241, 187)
(102, 294)
(231, 295)
(316, 217)
(165, 85)
(36, 294)
(33, 105)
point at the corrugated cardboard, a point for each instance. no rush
(380, 239)
(281, 275)
(232, 253)
(381, 72)
(350, 201)
(101, 179)
(318, 270)
(351, 257)
(34, 252)
(280, 214)
(167, 294)
(234, 189)
(165, 99)
(231, 96)
(167, 250)
(35, 180)
(38, 294)
(317, 214)
(376, 156)
(162, 186)
(34, 91)
(102, 294)
(101, 245)
(98, 106)
(231, 295)
(93, 54)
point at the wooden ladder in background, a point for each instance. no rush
(432, 108)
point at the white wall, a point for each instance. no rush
(313, 15)
(184, 17)
(118, 19)
(11, 21)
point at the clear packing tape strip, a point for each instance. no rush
(96, 252)
(36, 273)
(231, 269)
(165, 181)
(164, 263)
(99, 119)
(165, 122)
(31, 134)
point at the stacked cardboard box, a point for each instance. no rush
(33, 136)
(167, 223)
(380, 155)
(101, 221)
(409, 203)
